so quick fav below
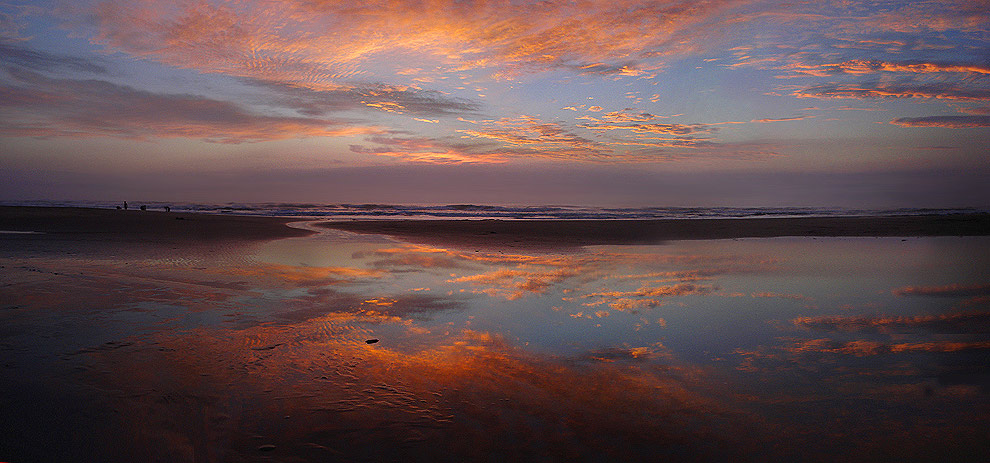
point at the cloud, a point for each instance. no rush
(551, 142)
(87, 108)
(515, 283)
(397, 99)
(43, 61)
(872, 66)
(433, 151)
(956, 323)
(877, 90)
(612, 354)
(864, 348)
(529, 130)
(663, 129)
(981, 110)
(953, 290)
(949, 122)
(13, 21)
(321, 43)
(619, 117)
(782, 119)
(793, 297)
(646, 296)
(303, 276)
(527, 138)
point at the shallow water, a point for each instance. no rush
(856, 349)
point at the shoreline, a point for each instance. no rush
(574, 233)
(114, 225)
(184, 228)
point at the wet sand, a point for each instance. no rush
(572, 233)
(134, 350)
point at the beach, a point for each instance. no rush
(570, 233)
(136, 225)
(152, 336)
(90, 224)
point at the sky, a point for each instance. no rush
(613, 103)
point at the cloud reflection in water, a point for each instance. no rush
(690, 351)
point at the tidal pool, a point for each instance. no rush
(342, 347)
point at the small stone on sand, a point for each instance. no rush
(371, 341)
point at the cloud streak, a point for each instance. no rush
(398, 99)
(953, 290)
(877, 90)
(89, 108)
(948, 122)
(43, 61)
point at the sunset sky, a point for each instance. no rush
(616, 102)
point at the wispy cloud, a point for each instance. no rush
(322, 43)
(781, 119)
(981, 110)
(949, 122)
(864, 66)
(961, 322)
(645, 297)
(946, 290)
(877, 90)
(87, 108)
(430, 151)
(399, 99)
(864, 348)
(42, 61)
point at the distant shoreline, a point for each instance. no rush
(134, 225)
(565, 233)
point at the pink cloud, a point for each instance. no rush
(937, 90)
(323, 43)
(945, 290)
(948, 122)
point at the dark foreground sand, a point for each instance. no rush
(564, 233)
(135, 226)
(86, 224)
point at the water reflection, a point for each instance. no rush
(859, 349)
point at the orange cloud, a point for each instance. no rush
(955, 289)
(981, 110)
(782, 119)
(527, 137)
(937, 90)
(302, 275)
(948, 122)
(863, 67)
(961, 322)
(871, 348)
(645, 297)
(515, 283)
(319, 44)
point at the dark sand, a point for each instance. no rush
(71, 223)
(570, 233)
(173, 228)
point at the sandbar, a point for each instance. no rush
(573, 233)
(75, 224)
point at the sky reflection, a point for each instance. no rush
(686, 351)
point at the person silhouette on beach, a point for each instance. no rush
(125, 205)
